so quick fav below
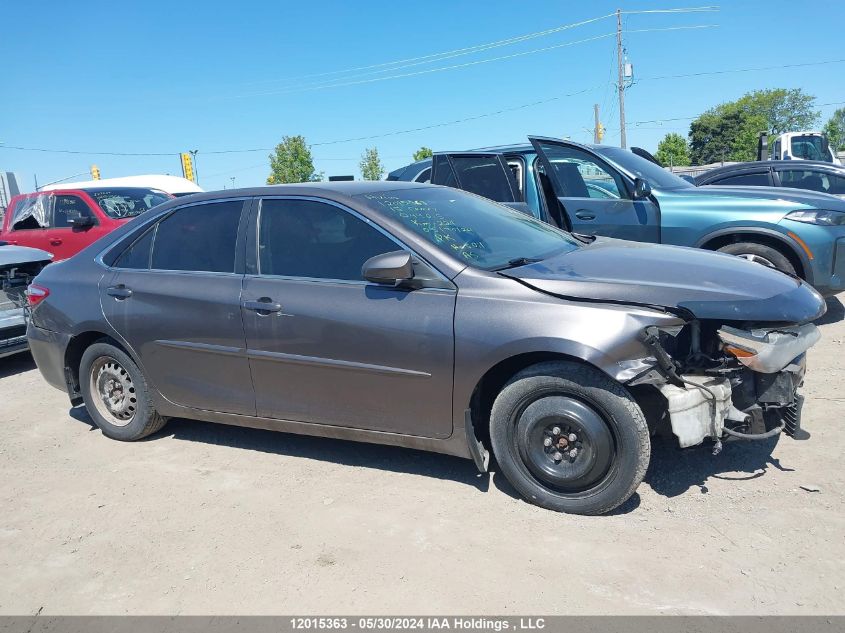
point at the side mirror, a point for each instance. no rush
(82, 222)
(392, 269)
(641, 189)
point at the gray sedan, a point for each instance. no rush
(425, 317)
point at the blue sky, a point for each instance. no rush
(165, 77)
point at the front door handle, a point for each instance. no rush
(585, 215)
(264, 306)
(119, 292)
(56, 241)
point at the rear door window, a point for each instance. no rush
(424, 175)
(442, 172)
(201, 237)
(813, 180)
(754, 179)
(137, 255)
(482, 174)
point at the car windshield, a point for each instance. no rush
(127, 202)
(809, 148)
(477, 231)
(637, 165)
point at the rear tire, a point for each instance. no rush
(761, 254)
(116, 394)
(549, 409)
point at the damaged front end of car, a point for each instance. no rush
(727, 380)
(730, 364)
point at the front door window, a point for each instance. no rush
(68, 208)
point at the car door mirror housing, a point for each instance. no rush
(642, 189)
(82, 222)
(394, 269)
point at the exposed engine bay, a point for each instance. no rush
(722, 380)
(21, 265)
(14, 280)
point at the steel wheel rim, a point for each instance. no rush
(757, 259)
(113, 391)
(565, 443)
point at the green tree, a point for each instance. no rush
(784, 110)
(292, 162)
(422, 153)
(371, 167)
(725, 132)
(673, 150)
(835, 130)
(729, 131)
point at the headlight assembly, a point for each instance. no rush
(822, 217)
(768, 351)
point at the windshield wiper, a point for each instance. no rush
(516, 262)
(586, 239)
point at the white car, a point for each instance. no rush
(18, 265)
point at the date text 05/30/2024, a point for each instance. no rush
(418, 623)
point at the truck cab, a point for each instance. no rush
(801, 146)
(64, 221)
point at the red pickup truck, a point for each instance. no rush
(64, 221)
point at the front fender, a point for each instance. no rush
(490, 330)
(782, 238)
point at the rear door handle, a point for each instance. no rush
(119, 292)
(264, 306)
(585, 215)
(56, 241)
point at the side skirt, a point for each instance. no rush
(457, 444)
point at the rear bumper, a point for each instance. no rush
(48, 351)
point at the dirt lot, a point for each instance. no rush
(206, 519)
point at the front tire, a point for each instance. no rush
(569, 438)
(760, 254)
(116, 394)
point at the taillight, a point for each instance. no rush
(36, 294)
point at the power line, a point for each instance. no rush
(421, 128)
(681, 10)
(334, 142)
(435, 57)
(344, 83)
(742, 70)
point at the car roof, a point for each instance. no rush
(333, 190)
(527, 147)
(766, 164)
(59, 191)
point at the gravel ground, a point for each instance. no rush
(207, 519)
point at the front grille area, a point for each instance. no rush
(12, 336)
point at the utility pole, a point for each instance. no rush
(598, 128)
(621, 85)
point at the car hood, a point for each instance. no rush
(702, 283)
(11, 255)
(813, 199)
